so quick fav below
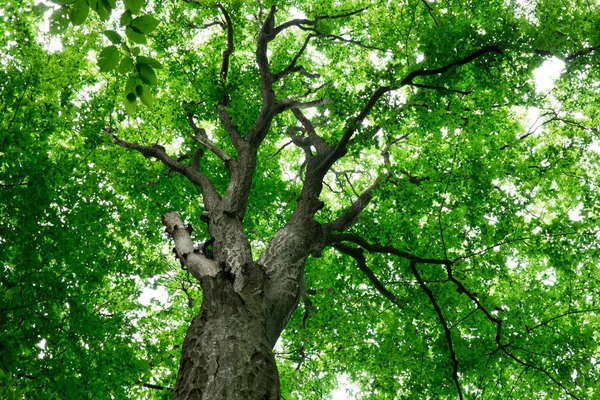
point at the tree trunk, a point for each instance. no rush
(227, 353)
(246, 304)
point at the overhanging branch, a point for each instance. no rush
(209, 193)
(349, 215)
(358, 255)
(438, 311)
(202, 138)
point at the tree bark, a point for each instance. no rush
(227, 353)
(246, 304)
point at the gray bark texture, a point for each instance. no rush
(228, 349)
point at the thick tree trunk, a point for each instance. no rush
(246, 304)
(227, 353)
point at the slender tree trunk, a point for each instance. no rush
(227, 353)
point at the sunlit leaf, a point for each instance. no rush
(149, 61)
(144, 95)
(146, 74)
(126, 65)
(144, 24)
(135, 37)
(130, 103)
(108, 58)
(113, 36)
(126, 18)
(59, 21)
(79, 12)
(134, 5)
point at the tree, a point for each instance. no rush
(391, 167)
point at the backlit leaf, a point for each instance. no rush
(108, 58)
(146, 74)
(144, 24)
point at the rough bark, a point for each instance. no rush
(227, 353)
(228, 350)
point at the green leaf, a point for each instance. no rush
(126, 18)
(130, 84)
(79, 12)
(145, 95)
(63, 2)
(146, 74)
(149, 61)
(130, 103)
(102, 11)
(108, 58)
(113, 36)
(135, 6)
(126, 65)
(108, 5)
(40, 9)
(144, 24)
(59, 21)
(93, 4)
(135, 51)
(134, 36)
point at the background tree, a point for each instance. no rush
(391, 167)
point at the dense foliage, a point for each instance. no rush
(473, 271)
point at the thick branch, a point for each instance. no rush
(377, 248)
(408, 80)
(358, 255)
(226, 54)
(348, 217)
(209, 193)
(230, 128)
(316, 140)
(198, 265)
(302, 23)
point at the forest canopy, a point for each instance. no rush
(401, 195)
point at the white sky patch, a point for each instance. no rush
(575, 214)
(148, 294)
(547, 73)
(42, 346)
(345, 390)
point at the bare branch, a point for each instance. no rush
(350, 41)
(317, 141)
(356, 122)
(430, 11)
(348, 217)
(195, 261)
(377, 248)
(206, 26)
(580, 53)
(280, 150)
(358, 255)
(303, 23)
(209, 193)
(408, 80)
(565, 314)
(460, 288)
(292, 67)
(205, 141)
(438, 310)
(227, 53)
